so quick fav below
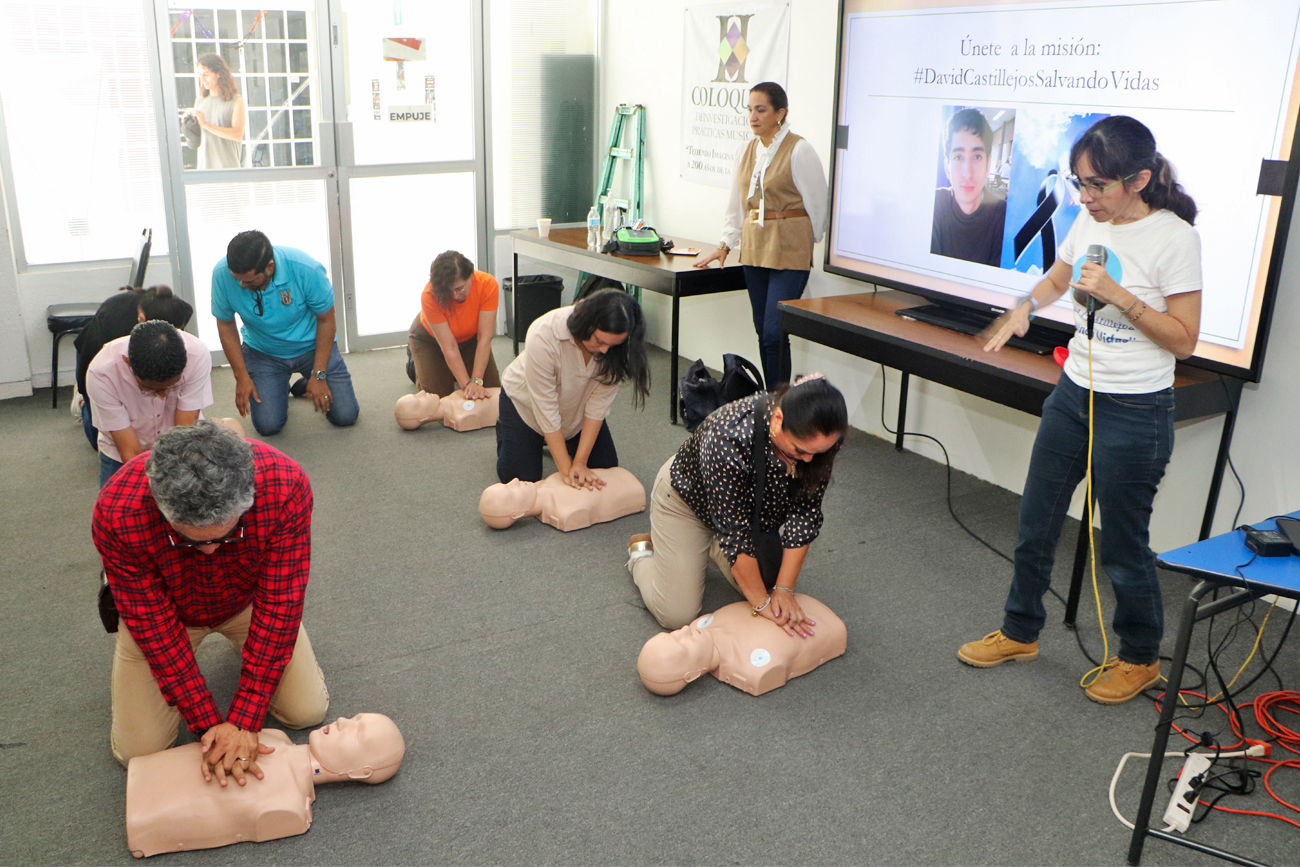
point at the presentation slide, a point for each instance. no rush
(956, 121)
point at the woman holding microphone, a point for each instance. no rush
(1148, 297)
(776, 212)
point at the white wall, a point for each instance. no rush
(642, 62)
(15, 372)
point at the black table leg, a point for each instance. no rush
(672, 386)
(514, 301)
(902, 411)
(1233, 388)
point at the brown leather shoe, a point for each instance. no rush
(1121, 681)
(995, 649)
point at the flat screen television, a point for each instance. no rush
(1216, 81)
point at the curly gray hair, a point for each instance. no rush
(201, 474)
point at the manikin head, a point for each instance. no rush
(414, 410)
(366, 747)
(502, 505)
(671, 660)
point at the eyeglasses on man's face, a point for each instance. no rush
(179, 540)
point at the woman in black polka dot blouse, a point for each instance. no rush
(702, 503)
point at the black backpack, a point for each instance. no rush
(700, 394)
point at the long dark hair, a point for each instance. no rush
(813, 407)
(615, 312)
(446, 269)
(227, 87)
(1119, 147)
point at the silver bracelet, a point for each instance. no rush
(786, 589)
(766, 602)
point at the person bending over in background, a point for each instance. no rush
(286, 306)
(115, 318)
(1150, 289)
(451, 339)
(560, 388)
(139, 386)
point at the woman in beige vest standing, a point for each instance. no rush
(221, 115)
(776, 213)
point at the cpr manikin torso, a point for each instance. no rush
(748, 652)
(454, 411)
(170, 808)
(561, 506)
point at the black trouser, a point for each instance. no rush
(519, 447)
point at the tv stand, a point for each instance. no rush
(1039, 340)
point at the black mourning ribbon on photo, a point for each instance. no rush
(1039, 223)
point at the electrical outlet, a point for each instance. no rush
(1183, 802)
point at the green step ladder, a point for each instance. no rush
(615, 150)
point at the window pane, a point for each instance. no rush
(272, 22)
(227, 27)
(205, 24)
(254, 61)
(545, 158)
(302, 123)
(84, 158)
(279, 94)
(291, 213)
(304, 95)
(280, 126)
(283, 154)
(297, 57)
(256, 122)
(182, 56)
(275, 57)
(297, 25)
(262, 156)
(182, 25)
(302, 154)
(256, 90)
(392, 256)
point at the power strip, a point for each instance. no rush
(1183, 802)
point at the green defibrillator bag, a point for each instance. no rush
(628, 241)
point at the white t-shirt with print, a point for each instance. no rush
(1158, 256)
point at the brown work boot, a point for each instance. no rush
(1121, 681)
(995, 649)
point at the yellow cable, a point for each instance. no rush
(1090, 676)
(1259, 635)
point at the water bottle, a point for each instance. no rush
(593, 229)
(611, 219)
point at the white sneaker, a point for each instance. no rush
(640, 546)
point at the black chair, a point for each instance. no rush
(65, 319)
(62, 320)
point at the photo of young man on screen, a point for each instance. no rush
(968, 213)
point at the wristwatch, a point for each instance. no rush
(477, 379)
(319, 374)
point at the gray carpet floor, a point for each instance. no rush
(508, 660)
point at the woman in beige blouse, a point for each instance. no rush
(560, 388)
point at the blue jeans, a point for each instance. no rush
(767, 286)
(87, 425)
(1133, 437)
(271, 376)
(107, 466)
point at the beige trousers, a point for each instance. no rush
(143, 723)
(671, 580)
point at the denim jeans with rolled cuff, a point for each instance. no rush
(1133, 437)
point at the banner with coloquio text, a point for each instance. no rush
(730, 47)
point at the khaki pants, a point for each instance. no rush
(143, 723)
(671, 580)
(431, 371)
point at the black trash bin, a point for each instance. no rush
(538, 294)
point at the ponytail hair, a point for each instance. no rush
(813, 407)
(1120, 147)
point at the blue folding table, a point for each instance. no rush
(1218, 562)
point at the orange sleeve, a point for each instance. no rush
(486, 287)
(430, 312)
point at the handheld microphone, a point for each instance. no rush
(1097, 255)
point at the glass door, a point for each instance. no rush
(410, 120)
(349, 130)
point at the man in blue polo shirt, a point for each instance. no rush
(286, 306)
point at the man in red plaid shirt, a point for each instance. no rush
(188, 550)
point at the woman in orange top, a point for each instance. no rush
(451, 339)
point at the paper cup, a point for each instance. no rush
(543, 228)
